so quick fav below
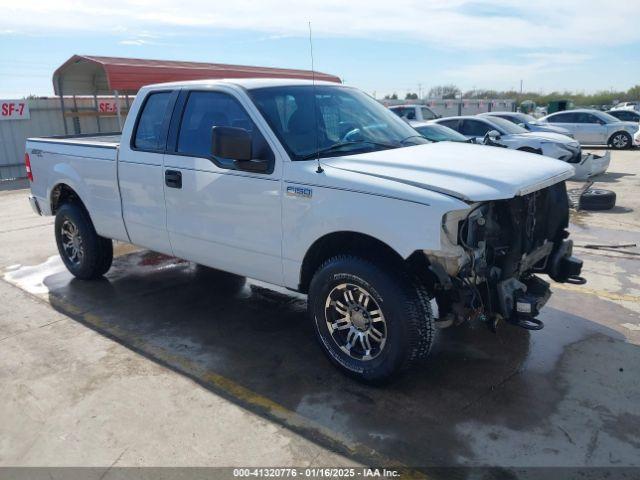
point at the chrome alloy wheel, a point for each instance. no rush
(620, 141)
(72, 242)
(355, 321)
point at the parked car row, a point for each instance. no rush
(503, 129)
(618, 128)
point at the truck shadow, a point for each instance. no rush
(254, 345)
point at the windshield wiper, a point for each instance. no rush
(339, 145)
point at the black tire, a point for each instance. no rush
(597, 199)
(97, 252)
(620, 140)
(405, 311)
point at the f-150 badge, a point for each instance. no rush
(302, 192)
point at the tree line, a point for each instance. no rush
(602, 97)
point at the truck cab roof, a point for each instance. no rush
(246, 83)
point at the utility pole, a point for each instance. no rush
(419, 91)
(520, 87)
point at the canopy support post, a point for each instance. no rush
(95, 104)
(64, 119)
(118, 109)
(76, 118)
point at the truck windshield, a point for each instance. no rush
(330, 121)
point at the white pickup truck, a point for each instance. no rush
(322, 190)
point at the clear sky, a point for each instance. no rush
(381, 46)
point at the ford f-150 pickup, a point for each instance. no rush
(318, 188)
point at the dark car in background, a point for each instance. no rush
(625, 115)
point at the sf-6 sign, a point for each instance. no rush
(107, 106)
(14, 110)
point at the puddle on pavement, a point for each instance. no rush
(480, 397)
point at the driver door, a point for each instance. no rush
(217, 214)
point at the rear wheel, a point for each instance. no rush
(86, 254)
(371, 322)
(620, 140)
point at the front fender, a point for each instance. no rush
(405, 226)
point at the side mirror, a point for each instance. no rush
(493, 135)
(235, 144)
(231, 142)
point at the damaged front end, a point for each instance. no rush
(492, 255)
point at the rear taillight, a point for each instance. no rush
(27, 164)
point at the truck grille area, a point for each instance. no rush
(508, 242)
(509, 230)
(521, 225)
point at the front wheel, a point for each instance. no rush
(371, 322)
(86, 254)
(620, 140)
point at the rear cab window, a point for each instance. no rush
(150, 130)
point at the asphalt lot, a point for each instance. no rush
(163, 363)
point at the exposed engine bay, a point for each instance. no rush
(497, 250)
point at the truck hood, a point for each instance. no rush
(472, 173)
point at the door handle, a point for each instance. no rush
(173, 178)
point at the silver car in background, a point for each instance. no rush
(528, 122)
(593, 127)
(514, 136)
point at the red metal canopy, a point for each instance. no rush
(92, 75)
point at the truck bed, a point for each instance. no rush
(98, 140)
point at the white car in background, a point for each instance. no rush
(593, 127)
(507, 134)
(628, 106)
(419, 113)
(514, 136)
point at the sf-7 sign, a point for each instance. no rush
(14, 110)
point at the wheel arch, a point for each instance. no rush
(346, 242)
(63, 193)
